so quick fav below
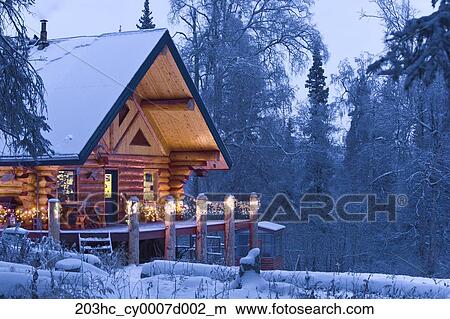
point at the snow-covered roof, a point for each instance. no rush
(270, 226)
(87, 79)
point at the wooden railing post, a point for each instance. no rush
(254, 207)
(133, 230)
(229, 230)
(170, 231)
(54, 213)
(201, 233)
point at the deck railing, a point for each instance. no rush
(204, 208)
(226, 209)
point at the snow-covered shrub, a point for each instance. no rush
(113, 262)
(15, 245)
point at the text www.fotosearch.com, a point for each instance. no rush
(286, 309)
(208, 310)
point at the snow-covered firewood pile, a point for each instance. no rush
(43, 269)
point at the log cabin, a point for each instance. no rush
(125, 118)
(126, 122)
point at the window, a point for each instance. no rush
(267, 247)
(242, 243)
(67, 185)
(108, 186)
(149, 186)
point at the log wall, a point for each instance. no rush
(32, 187)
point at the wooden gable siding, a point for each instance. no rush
(183, 130)
(118, 137)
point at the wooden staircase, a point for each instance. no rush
(95, 243)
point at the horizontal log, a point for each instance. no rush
(164, 173)
(143, 166)
(9, 192)
(139, 159)
(50, 178)
(11, 185)
(180, 171)
(185, 104)
(92, 190)
(43, 183)
(90, 166)
(177, 191)
(125, 167)
(31, 179)
(132, 172)
(176, 184)
(183, 178)
(163, 179)
(47, 173)
(46, 191)
(47, 168)
(163, 194)
(195, 156)
(86, 181)
(132, 181)
(163, 187)
(189, 163)
(131, 189)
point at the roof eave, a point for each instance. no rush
(41, 161)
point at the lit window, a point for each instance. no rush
(149, 186)
(67, 186)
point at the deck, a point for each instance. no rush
(153, 230)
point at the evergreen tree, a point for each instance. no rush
(318, 167)
(317, 90)
(22, 104)
(146, 21)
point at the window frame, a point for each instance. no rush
(75, 186)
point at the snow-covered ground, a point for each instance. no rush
(163, 279)
(298, 284)
(44, 269)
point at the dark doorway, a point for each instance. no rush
(111, 196)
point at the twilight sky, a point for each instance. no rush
(345, 34)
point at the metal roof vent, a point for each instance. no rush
(43, 40)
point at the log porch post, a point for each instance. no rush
(170, 231)
(54, 212)
(201, 230)
(133, 230)
(254, 206)
(229, 230)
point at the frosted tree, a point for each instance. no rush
(421, 49)
(22, 105)
(236, 52)
(146, 20)
(318, 166)
(418, 57)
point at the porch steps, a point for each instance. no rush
(91, 243)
